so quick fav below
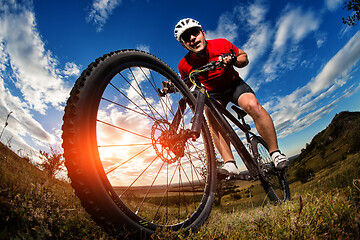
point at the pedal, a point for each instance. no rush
(222, 174)
(242, 176)
(225, 176)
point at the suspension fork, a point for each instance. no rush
(179, 113)
(198, 118)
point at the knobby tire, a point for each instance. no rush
(131, 180)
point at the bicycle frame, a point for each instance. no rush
(219, 112)
(153, 177)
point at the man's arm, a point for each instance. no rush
(242, 59)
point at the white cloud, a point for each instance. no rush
(256, 13)
(100, 12)
(144, 48)
(31, 81)
(253, 18)
(255, 47)
(3, 58)
(332, 5)
(34, 68)
(339, 65)
(320, 39)
(71, 69)
(321, 94)
(301, 108)
(292, 27)
(250, 19)
(21, 122)
(226, 29)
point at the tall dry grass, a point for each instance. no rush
(34, 206)
(327, 207)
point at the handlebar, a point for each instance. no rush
(197, 119)
(196, 73)
(213, 64)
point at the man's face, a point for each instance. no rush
(194, 40)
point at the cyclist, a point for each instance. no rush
(225, 85)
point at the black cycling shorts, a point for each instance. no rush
(233, 93)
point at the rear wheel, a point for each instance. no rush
(273, 181)
(128, 156)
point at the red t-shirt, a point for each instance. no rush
(218, 80)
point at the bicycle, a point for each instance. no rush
(141, 159)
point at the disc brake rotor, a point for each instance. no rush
(167, 143)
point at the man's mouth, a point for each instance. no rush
(196, 44)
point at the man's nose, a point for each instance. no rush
(192, 38)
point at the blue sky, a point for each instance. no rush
(304, 62)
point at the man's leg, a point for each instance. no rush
(221, 143)
(264, 125)
(263, 122)
(223, 146)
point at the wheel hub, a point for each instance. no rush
(167, 143)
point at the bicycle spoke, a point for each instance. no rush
(136, 143)
(148, 191)
(192, 185)
(138, 177)
(162, 101)
(123, 94)
(136, 103)
(119, 165)
(197, 173)
(141, 93)
(123, 129)
(125, 145)
(273, 181)
(127, 108)
(165, 194)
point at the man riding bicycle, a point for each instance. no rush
(225, 85)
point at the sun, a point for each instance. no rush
(124, 155)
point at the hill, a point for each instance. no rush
(330, 147)
(341, 136)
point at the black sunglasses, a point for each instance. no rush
(191, 32)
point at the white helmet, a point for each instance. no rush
(183, 25)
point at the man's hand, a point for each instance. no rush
(168, 87)
(228, 59)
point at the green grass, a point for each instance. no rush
(33, 206)
(327, 207)
(316, 215)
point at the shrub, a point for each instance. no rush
(304, 174)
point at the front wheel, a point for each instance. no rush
(125, 150)
(273, 181)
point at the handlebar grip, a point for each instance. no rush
(232, 54)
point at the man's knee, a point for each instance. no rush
(250, 104)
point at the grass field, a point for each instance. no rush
(327, 207)
(33, 206)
